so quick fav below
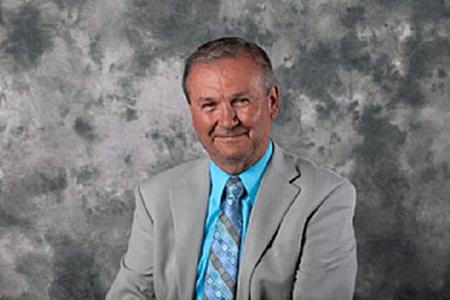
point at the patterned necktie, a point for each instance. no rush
(223, 265)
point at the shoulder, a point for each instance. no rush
(284, 161)
(182, 175)
(310, 172)
(154, 191)
(316, 182)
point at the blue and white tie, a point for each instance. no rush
(223, 265)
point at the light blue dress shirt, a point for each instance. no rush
(251, 178)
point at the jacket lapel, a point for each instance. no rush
(189, 204)
(276, 194)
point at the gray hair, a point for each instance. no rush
(228, 47)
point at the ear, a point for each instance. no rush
(274, 101)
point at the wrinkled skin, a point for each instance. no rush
(232, 111)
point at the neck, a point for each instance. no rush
(232, 168)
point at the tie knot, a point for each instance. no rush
(235, 187)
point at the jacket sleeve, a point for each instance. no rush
(327, 269)
(135, 277)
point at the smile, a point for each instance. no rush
(231, 138)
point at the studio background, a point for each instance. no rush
(91, 103)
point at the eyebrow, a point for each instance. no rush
(239, 94)
(234, 96)
(206, 99)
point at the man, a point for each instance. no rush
(252, 222)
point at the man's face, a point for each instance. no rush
(231, 111)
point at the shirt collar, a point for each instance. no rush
(250, 177)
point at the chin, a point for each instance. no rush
(234, 157)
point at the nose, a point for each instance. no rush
(228, 116)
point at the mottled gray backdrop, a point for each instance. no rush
(91, 103)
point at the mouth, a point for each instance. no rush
(230, 138)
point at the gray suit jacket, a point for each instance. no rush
(299, 245)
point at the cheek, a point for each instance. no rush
(249, 115)
(201, 123)
(261, 123)
(256, 118)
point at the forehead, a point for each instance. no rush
(227, 74)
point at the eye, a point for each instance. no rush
(242, 101)
(210, 105)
